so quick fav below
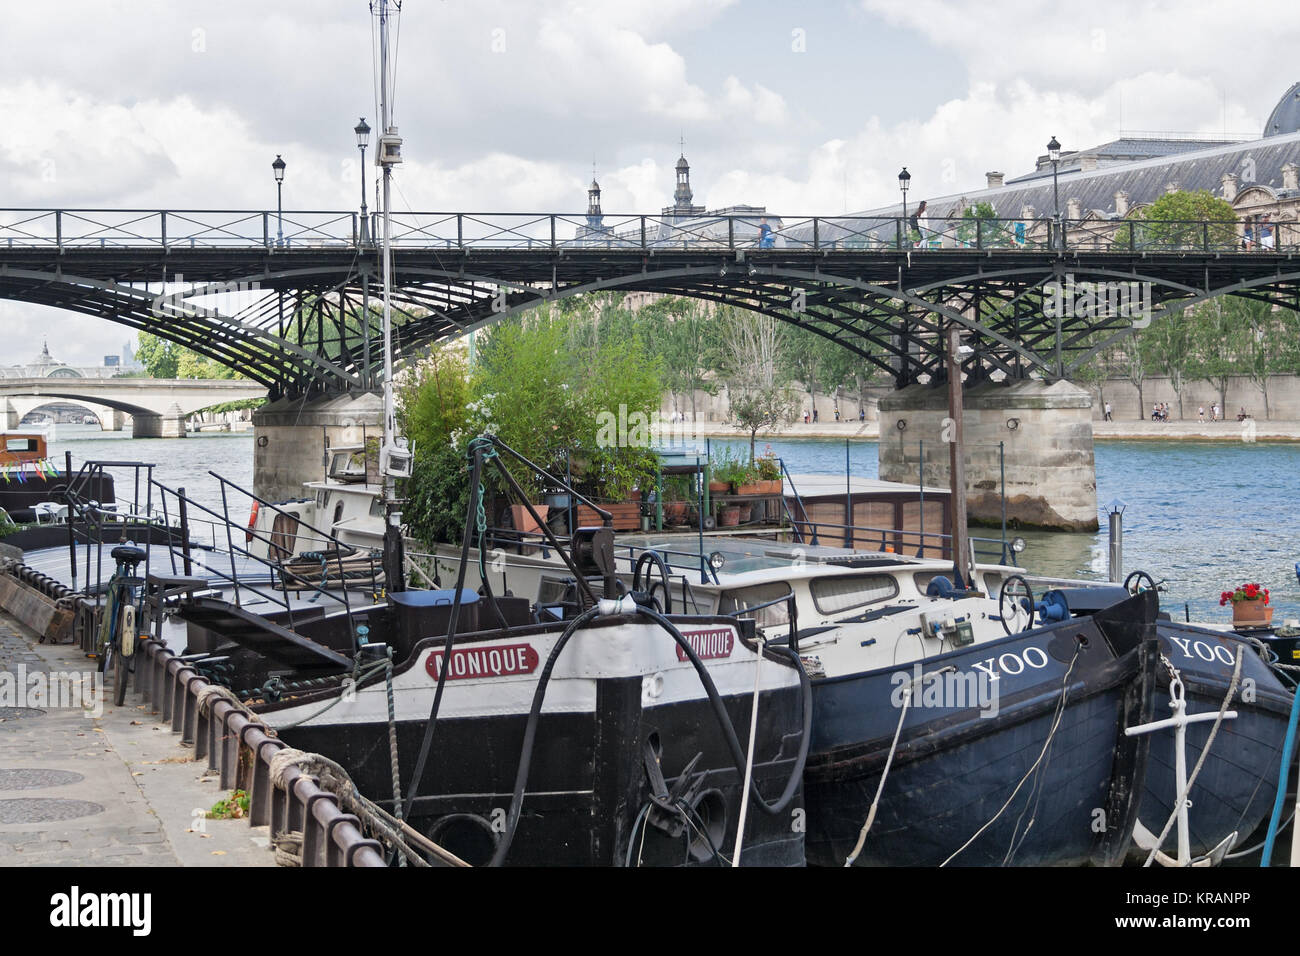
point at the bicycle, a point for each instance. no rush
(118, 631)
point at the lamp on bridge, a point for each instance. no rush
(1054, 154)
(363, 140)
(278, 168)
(904, 180)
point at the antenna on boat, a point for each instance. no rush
(394, 455)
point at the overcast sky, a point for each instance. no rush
(504, 104)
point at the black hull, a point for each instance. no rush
(954, 770)
(588, 781)
(1235, 789)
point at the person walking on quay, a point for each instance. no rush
(1106, 410)
(837, 413)
(1200, 413)
(814, 416)
(1214, 412)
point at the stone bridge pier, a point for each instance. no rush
(1041, 432)
(170, 424)
(292, 437)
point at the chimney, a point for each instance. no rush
(994, 179)
(1290, 176)
(1027, 212)
(1121, 203)
(1173, 186)
(1228, 185)
(1087, 164)
(1074, 209)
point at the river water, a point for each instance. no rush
(1203, 516)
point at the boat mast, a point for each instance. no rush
(394, 457)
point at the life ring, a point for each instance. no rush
(252, 522)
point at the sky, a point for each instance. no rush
(505, 105)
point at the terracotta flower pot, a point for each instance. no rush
(1251, 613)
(718, 487)
(729, 517)
(750, 488)
(674, 512)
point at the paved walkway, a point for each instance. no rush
(98, 785)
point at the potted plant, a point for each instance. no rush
(769, 472)
(676, 495)
(1249, 606)
(722, 472)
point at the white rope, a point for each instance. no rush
(884, 774)
(749, 759)
(1051, 734)
(1205, 752)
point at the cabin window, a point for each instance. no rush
(376, 507)
(923, 578)
(832, 595)
(21, 444)
(322, 498)
(732, 601)
(338, 512)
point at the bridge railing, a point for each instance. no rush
(727, 231)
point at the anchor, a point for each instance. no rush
(1143, 837)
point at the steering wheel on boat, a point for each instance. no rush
(1139, 581)
(1015, 600)
(648, 558)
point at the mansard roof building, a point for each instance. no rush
(1111, 182)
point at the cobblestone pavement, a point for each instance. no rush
(98, 785)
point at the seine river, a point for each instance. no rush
(1202, 516)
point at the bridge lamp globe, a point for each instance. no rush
(363, 140)
(277, 167)
(1054, 154)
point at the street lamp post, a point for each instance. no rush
(278, 168)
(904, 180)
(1054, 154)
(363, 139)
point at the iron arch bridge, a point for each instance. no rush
(1039, 295)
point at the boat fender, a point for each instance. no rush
(252, 522)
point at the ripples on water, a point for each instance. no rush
(1205, 516)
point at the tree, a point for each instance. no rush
(1167, 345)
(159, 357)
(758, 396)
(1213, 326)
(1180, 220)
(686, 342)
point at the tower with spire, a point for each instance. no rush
(682, 208)
(595, 231)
